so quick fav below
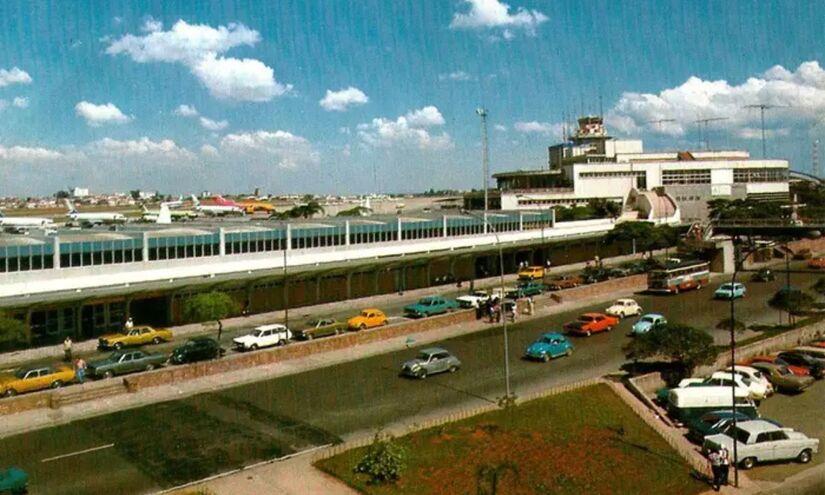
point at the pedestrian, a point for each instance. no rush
(725, 467)
(80, 369)
(531, 305)
(547, 263)
(479, 311)
(715, 460)
(514, 312)
(67, 349)
(499, 308)
(220, 330)
(130, 324)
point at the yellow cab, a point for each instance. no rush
(32, 378)
(531, 272)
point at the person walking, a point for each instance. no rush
(80, 369)
(715, 459)
(67, 349)
(514, 312)
(531, 306)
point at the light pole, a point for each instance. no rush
(483, 218)
(485, 159)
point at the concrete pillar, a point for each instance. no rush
(222, 241)
(400, 237)
(56, 252)
(346, 233)
(521, 222)
(429, 272)
(317, 289)
(128, 307)
(485, 223)
(288, 237)
(725, 258)
(144, 253)
(444, 223)
(552, 218)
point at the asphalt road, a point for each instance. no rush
(166, 444)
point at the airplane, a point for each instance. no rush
(92, 219)
(159, 216)
(21, 225)
(221, 207)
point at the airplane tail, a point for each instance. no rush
(69, 206)
(195, 202)
(165, 216)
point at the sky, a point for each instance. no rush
(341, 97)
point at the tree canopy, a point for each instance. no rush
(12, 330)
(209, 306)
(647, 235)
(682, 344)
(791, 300)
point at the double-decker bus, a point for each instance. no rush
(679, 275)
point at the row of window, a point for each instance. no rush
(760, 175)
(626, 174)
(676, 177)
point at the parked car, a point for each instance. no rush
(782, 378)
(815, 366)
(322, 327)
(592, 275)
(548, 346)
(756, 390)
(367, 318)
(618, 272)
(13, 480)
(122, 362)
(33, 378)
(754, 375)
(712, 423)
(590, 323)
(263, 336)
(429, 306)
(773, 359)
(818, 343)
(760, 441)
(730, 291)
(429, 362)
(764, 275)
(139, 335)
(624, 308)
(813, 351)
(647, 323)
(531, 272)
(817, 263)
(473, 299)
(803, 254)
(688, 403)
(526, 289)
(197, 349)
(564, 282)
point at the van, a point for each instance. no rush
(685, 404)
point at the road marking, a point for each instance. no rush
(79, 452)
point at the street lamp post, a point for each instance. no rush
(507, 392)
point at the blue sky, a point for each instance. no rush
(227, 96)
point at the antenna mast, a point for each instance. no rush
(703, 124)
(485, 162)
(762, 107)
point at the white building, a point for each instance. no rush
(79, 192)
(592, 165)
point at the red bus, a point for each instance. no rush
(679, 275)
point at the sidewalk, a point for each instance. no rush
(16, 358)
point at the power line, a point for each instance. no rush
(704, 124)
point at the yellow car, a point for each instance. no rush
(368, 318)
(531, 272)
(136, 336)
(33, 378)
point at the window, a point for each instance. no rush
(677, 177)
(763, 437)
(779, 435)
(760, 175)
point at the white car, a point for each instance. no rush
(755, 390)
(759, 441)
(263, 336)
(755, 376)
(473, 299)
(624, 308)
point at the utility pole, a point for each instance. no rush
(485, 160)
(762, 107)
(703, 124)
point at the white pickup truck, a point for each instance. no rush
(263, 336)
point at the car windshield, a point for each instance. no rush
(783, 370)
(116, 356)
(547, 340)
(364, 314)
(313, 323)
(647, 319)
(423, 356)
(20, 373)
(586, 318)
(726, 287)
(257, 333)
(739, 434)
(575, 324)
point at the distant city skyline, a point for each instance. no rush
(375, 96)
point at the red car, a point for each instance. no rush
(816, 263)
(819, 343)
(590, 323)
(796, 370)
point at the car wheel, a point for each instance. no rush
(253, 347)
(362, 326)
(545, 358)
(157, 340)
(453, 369)
(676, 290)
(149, 367)
(588, 333)
(386, 322)
(804, 457)
(11, 392)
(118, 346)
(57, 384)
(748, 463)
(698, 286)
(423, 374)
(309, 336)
(108, 374)
(568, 352)
(609, 328)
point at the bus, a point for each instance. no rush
(679, 275)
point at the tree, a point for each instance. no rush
(12, 331)
(383, 461)
(791, 300)
(209, 306)
(604, 208)
(358, 211)
(819, 286)
(310, 209)
(61, 194)
(683, 344)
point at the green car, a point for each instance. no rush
(13, 480)
(526, 289)
(322, 327)
(122, 362)
(428, 306)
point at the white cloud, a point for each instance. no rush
(97, 115)
(499, 127)
(197, 46)
(213, 125)
(340, 101)
(152, 26)
(285, 149)
(458, 75)
(756, 133)
(798, 99)
(186, 111)
(143, 147)
(494, 14)
(407, 131)
(14, 76)
(27, 154)
(20, 102)
(209, 150)
(544, 128)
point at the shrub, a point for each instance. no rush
(384, 460)
(792, 300)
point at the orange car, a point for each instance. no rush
(769, 358)
(816, 263)
(367, 318)
(590, 323)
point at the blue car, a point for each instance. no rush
(550, 345)
(648, 322)
(730, 291)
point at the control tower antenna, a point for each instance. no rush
(485, 161)
(659, 123)
(703, 129)
(762, 107)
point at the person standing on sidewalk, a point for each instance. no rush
(80, 369)
(531, 306)
(715, 459)
(725, 466)
(67, 349)
(130, 324)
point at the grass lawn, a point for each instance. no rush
(585, 441)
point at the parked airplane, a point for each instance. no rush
(21, 225)
(159, 216)
(220, 207)
(96, 218)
